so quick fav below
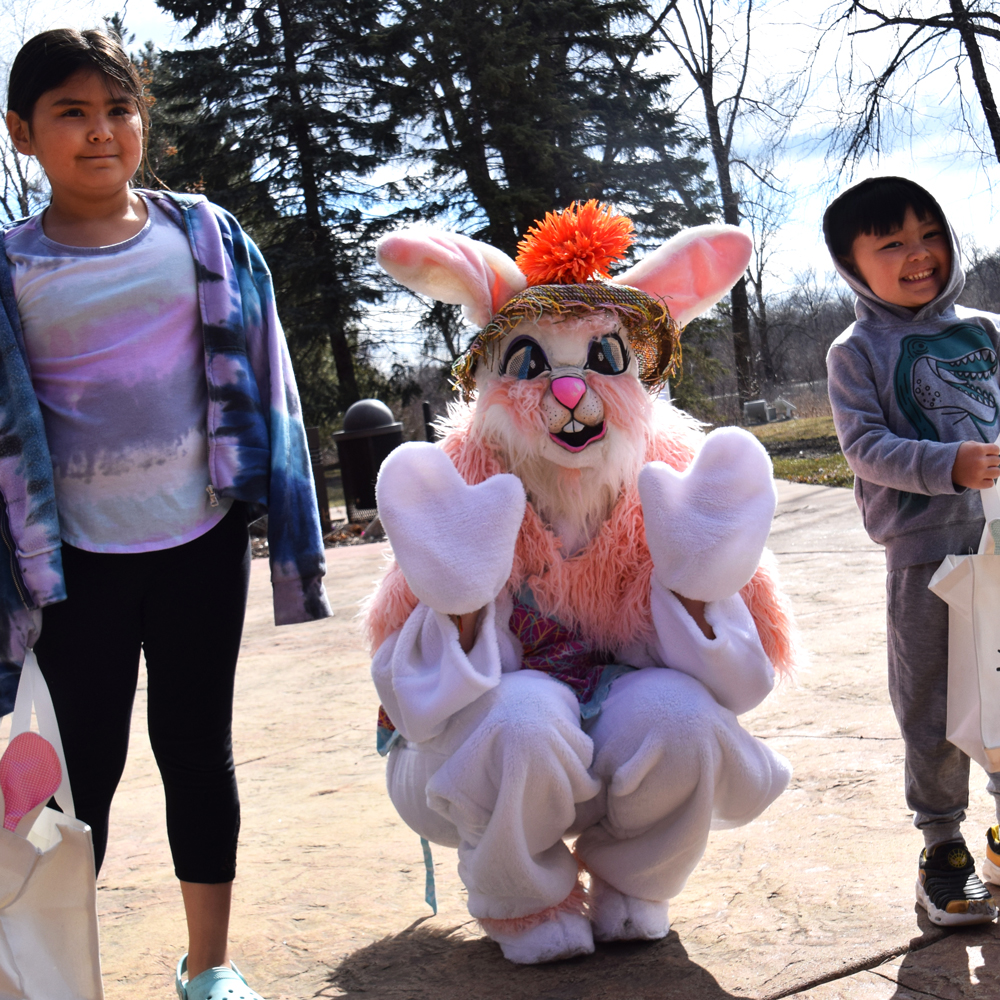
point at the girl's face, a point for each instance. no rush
(86, 134)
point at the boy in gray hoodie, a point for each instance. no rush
(916, 404)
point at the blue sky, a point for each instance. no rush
(931, 147)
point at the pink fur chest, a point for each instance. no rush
(602, 592)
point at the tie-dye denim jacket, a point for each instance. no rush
(257, 443)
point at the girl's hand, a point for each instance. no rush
(977, 465)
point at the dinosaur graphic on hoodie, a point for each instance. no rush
(950, 377)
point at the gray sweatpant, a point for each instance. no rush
(937, 772)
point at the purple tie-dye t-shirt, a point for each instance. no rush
(117, 361)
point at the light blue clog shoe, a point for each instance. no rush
(219, 983)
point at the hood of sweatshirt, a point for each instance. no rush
(868, 306)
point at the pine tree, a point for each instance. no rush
(264, 123)
(512, 108)
(479, 115)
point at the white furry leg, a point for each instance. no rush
(561, 931)
(617, 917)
(671, 759)
(510, 791)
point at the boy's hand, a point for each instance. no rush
(977, 465)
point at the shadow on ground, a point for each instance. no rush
(425, 963)
(959, 962)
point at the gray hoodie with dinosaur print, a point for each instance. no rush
(907, 388)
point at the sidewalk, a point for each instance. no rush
(814, 899)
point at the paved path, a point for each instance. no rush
(815, 899)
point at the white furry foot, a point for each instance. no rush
(563, 935)
(617, 917)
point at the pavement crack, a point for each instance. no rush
(866, 965)
(828, 736)
(830, 608)
(910, 989)
(872, 965)
(291, 749)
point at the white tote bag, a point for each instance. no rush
(970, 585)
(49, 947)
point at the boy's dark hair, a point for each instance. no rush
(52, 57)
(876, 207)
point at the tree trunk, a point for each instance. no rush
(298, 130)
(343, 361)
(297, 127)
(766, 358)
(986, 98)
(746, 382)
(463, 131)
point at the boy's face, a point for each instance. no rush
(908, 267)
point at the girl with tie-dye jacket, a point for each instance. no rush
(147, 412)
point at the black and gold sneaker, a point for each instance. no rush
(991, 866)
(949, 889)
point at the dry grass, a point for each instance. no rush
(805, 451)
(831, 470)
(805, 428)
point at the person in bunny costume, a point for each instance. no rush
(581, 603)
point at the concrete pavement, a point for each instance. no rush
(814, 899)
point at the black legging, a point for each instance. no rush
(184, 608)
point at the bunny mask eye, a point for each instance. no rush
(524, 359)
(608, 356)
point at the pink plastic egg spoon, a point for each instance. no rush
(29, 775)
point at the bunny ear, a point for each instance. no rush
(692, 271)
(451, 268)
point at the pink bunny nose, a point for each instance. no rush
(569, 390)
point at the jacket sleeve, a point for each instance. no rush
(295, 542)
(29, 522)
(872, 451)
(19, 630)
(30, 559)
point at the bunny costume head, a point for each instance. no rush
(562, 270)
(565, 352)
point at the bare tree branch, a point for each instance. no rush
(916, 41)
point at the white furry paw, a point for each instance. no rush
(617, 917)
(563, 935)
(706, 527)
(453, 542)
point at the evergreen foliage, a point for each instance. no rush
(263, 123)
(320, 126)
(508, 109)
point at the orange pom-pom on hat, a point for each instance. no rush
(574, 245)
